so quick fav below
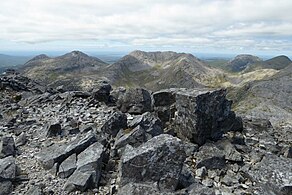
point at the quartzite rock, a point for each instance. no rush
(115, 123)
(150, 123)
(7, 147)
(101, 92)
(135, 101)
(158, 160)
(201, 114)
(67, 167)
(210, 156)
(57, 153)
(90, 161)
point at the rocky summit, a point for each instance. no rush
(112, 140)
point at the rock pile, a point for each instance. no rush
(129, 141)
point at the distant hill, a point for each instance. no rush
(65, 69)
(242, 61)
(7, 61)
(277, 63)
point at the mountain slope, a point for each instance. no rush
(268, 98)
(157, 70)
(242, 61)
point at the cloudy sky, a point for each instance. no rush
(214, 26)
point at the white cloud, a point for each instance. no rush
(150, 23)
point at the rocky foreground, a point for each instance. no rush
(118, 141)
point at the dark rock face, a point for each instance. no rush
(135, 101)
(150, 123)
(7, 147)
(7, 174)
(102, 91)
(161, 162)
(115, 123)
(199, 114)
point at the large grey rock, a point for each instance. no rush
(78, 181)
(7, 147)
(135, 101)
(67, 167)
(57, 153)
(88, 172)
(273, 171)
(134, 138)
(203, 114)
(210, 156)
(90, 160)
(158, 160)
(101, 91)
(7, 174)
(150, 123)
(115, 123)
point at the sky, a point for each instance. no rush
(196, 26)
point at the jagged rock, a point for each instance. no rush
(78, 181)
(7, 147)
(273, 171)
(90, 161)
(88, 170)
(67, 167)
(150, 123)
(134, 138)
(201, 172)
(164, 98)
(101, 92)
(54, 130)
(6, 187)
(203, 114)
(288, 152)
(115, 123)
(230, 151)
(186, 178)
(135, 101)
(158, 160)
(57, 153)
(34, 190)
(21, 139)
(210, 156)
(139, 189)
(190, 148)
(7, 174)
(199, 189)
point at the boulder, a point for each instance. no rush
(150, 123)
(134, 138)
(210, 156)
(203, 114)
(88, 172)
(21, 139)
(90, 160)
(57, 153)
(135, 101)
(67, 167)
(78, 181)
(7, 174)
(275, 172)
(101, 92)
(158, 160)
(115, 123)
(7, 147)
